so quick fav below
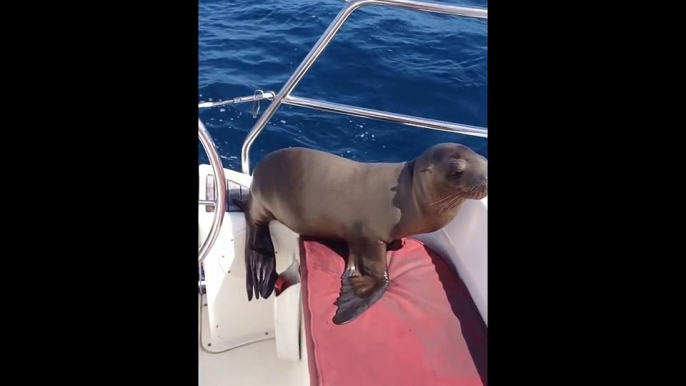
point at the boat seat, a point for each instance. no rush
(425, 330)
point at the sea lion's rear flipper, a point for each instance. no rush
(260, 259)
(240, 204)
(363, 283)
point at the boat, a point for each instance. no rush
(289, 339)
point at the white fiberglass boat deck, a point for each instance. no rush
(436, 336)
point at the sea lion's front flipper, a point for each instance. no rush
(364, 281)
(263, 262)
(260, 259)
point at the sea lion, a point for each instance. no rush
(369, 205)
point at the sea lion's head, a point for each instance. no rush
(454, 170)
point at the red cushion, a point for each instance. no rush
(424, 331)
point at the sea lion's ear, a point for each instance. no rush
(456, 168)
(460, 165)
(426, 169)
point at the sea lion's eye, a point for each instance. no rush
(456, 173)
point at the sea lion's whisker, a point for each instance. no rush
(450, 196)
(446, 205)
(476, 190)
(440, 199)
(451, 204)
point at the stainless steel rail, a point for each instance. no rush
(220, 210)
(385, 116)
(259, 95)
(283, 96)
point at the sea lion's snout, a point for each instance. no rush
(484, 178)
(483, 191)
(479, 188)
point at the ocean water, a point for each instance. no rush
(402, 61)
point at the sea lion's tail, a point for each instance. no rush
(260, 259)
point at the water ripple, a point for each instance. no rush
(396, 60)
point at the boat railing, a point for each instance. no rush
(284, 97)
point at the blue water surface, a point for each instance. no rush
(402, 61)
